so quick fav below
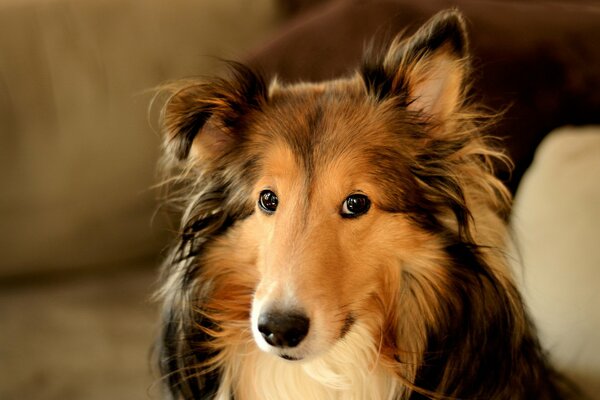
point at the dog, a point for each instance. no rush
(344, 239)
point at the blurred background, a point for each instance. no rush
(80, 236)
(79, 240)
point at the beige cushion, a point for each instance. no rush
(557, 226)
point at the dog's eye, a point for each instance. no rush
(355, 205)
(267, 201)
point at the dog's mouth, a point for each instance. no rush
(289, 357)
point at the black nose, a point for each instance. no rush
(281, 329)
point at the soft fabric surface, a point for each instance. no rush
(78, 154)
(81, 339)
(556, 221)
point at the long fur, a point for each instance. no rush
(434, 313)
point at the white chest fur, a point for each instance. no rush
(349, 371)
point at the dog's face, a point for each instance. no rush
(326, 225)
(326, 179)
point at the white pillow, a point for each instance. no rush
(556, 222)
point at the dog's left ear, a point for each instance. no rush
(427, 71)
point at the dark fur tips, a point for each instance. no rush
(184, 118)
(385, 72)
(219, 105)
(445, 28)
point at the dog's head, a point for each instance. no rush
(332, 191)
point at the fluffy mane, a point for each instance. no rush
(443, 320)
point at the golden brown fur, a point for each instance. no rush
(411, 300)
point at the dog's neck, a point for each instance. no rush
(349, 371)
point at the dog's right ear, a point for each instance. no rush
(203, 120)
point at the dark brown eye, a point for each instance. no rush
(355, 205)
(267, 201)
